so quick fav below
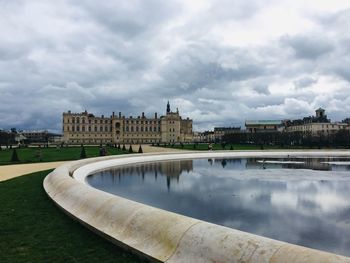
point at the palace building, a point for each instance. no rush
(86, 128)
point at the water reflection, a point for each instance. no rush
(285, 201)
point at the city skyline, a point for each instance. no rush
(220, 63)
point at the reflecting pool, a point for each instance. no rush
(304, 201)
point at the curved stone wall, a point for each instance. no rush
(164, 236)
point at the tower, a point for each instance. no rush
(168, 108)
(320, 113)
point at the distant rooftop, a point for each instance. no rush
(263, 122)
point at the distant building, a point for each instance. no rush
(86, 128)
(206, 136)
(219, 132)
(39, 136)
(316, 125)
(254, 126)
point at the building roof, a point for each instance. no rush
(263, 122)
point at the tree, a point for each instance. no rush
(14, 157)
(82, 153)
(231, 148)
(130, 149)
(140, 149)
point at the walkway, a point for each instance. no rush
(11, 171)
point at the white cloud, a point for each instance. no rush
(218, 63)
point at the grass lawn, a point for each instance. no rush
(33, 229)
(30, 155)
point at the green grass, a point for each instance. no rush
(30, 155)
(33, 229)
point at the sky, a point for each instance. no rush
(218, 62)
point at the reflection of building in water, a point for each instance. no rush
(308, 163)
(172, 170)
(237, 163)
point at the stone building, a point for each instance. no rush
(86, 128)
(219, 132)
(254, 126)
(316, 125)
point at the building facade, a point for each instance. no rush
(219, 132)
(317, 125)
(86, 128)
(254, 126)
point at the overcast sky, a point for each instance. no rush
(219, 62)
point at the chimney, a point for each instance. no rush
(155, 115)
(113, 114)
(143, 115)
(120, 114)
(102, 116)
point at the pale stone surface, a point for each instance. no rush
(167, 236)
(11, 171)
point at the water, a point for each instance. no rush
(301, 201)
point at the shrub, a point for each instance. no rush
(14, 157)
(140, 149)
(82, 153)
(124, 149)
(130, 149)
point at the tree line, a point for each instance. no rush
(339, 139)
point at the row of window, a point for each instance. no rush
(111, 141)
(90, 121)
(142, 122)
(137, 128)
(109, 129)
(90, 129)
(77, 120)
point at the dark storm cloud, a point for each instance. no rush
(133, 56)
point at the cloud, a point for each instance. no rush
(308, 47)
(219, 64)
(304, 82)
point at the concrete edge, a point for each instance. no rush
(164, 236)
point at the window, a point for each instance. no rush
(83, 128)
(95, 128)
